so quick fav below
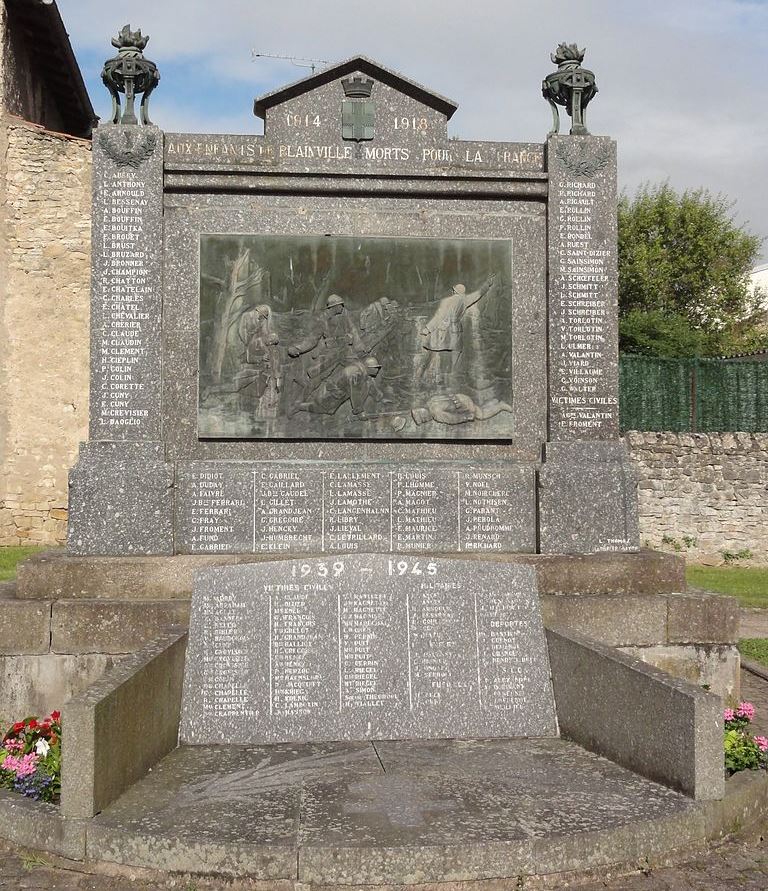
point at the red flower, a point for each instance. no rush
(55, 716)
(19, 725)
(32, 724)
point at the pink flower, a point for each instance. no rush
(762, 743)
(729, 714)
(746, 710)
(22, 767)
(12, 745)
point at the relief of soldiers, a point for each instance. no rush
(259, 362)
(457, 408)
(443, 332)
(355, 382)
(378, 314)
(335, 340)
(261, 359)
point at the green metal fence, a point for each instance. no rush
(693, 395)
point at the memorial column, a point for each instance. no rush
(586, 484)
(121, 488)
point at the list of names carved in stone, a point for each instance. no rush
(354, 511)
(282, 514)
(125, 330)
(225, 658)
(234, 507)
(418, 510)
(297, 641)
(487, 510)
(218, 512)
(583, 308)
(359, 644)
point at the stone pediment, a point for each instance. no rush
(355, 65)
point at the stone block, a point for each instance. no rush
(587, 499)
(141, 697)
(40, 826)
(25, 626)
(613, 619)
(647, 572)
(658, 726)
(703, 618)
(120, 500)
(92, 626)
(715, 665)
(58, 575)
(38, 684)
(745, 804)
(365, 647)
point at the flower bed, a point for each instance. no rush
(30, 758)
(742, 750)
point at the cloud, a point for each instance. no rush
(678, 80)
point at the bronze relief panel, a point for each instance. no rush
(338, 337)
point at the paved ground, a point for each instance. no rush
(754, 623)
(736, 866)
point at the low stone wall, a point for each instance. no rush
(704, 495)
(44, 312)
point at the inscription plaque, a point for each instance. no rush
(365, 647)
(583, 301)
(301, 507)
(321, 337)
(126, 300)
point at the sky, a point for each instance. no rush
(679, 80)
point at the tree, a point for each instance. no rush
(683, 275)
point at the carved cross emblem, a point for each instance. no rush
(357, 111)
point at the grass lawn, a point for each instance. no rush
(749, 584)
(9, 557)
(755, 650)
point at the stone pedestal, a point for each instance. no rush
(587, 485)
(587, 499)
(121, 500)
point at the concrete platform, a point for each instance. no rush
(392, 812)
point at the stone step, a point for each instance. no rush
(36, 627)
(92, 626)
(53, 575)
(25, 625)
(396, 813)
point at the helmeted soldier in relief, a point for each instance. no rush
(261, 360)
(354, 382)
(443, 332)
(334, 341)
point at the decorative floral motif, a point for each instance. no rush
(577, 161)
(128, 149)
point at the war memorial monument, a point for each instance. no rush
(354, 396)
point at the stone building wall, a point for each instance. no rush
(704, 494)
(44, 312)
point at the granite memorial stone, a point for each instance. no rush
(318, 340)
(343, 507)
(366, 647)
